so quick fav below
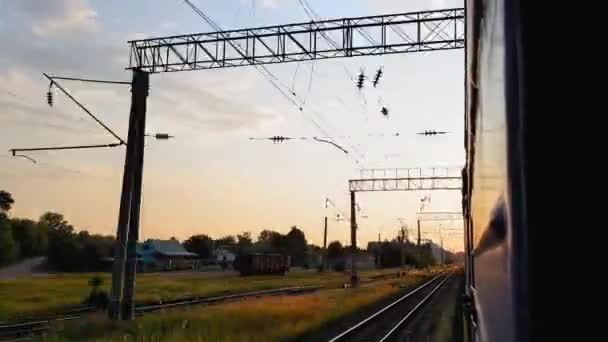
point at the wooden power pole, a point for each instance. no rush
(130, 199)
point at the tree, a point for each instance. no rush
(226, 241)
(31, 237)
(64, 251)
(335, 250)
(269, 236)
(244, 241)
(199, 244)
(6, 201)
(8, 247)
(296, 246)
(55, 222)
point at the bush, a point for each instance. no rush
(9, 250)
(339, 266)
(95, 282)
(97, 298)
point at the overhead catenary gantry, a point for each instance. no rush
(336, 38)
(412, 32)
(398, 179)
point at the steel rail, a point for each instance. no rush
(381, 311)
(411, 312)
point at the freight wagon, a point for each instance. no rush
(262, 263)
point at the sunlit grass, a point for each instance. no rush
(40, 295)
(262, 319)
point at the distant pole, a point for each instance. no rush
(419, 232)
(325, 234)
(140, 89)
(442, 251)
(402, 247)
(378, 250)
(354, 278)
(325, 245)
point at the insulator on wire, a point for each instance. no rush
(360, 80)
(162, 136)
(49, 95)
(49, 98)
(378, 76)
(279, 139)
(431, 132)
(384, 111)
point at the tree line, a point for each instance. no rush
(70, 251)
(51, 236)
(293, 243)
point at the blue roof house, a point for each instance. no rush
(164, 255)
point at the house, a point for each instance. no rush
(224, 254)
(164, 255)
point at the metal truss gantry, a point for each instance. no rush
(336, 38)
(436, 178)
(440, 216)
(400, 179)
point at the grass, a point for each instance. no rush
(42, 295)
(262, 319)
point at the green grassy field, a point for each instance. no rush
(41, 295)
(261, 319)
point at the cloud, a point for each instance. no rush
(59, 36)
(23, 102)
(168, 25)
(192, 105)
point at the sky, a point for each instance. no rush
(211, 178)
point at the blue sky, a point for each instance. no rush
(211, 178)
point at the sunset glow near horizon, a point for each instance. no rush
(211, 179)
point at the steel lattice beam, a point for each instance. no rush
(407, 179)
(405, 184)
(346, 37)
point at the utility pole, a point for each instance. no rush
(133, 161)
(379, 254)
(418, 232)
(325, 245)
(140, 90)
(442, 254)
(354, 278)
(402, 247)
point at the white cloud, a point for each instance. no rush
(270, 3)
(61, 18)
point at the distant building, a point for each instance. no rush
(224, 254)
(165, 255)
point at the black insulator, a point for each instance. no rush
(49, 98)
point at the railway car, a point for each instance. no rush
(262, 263)
(495, 196)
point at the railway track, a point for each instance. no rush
(26, 330)
(386, 324)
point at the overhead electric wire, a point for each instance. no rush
(53, 82)
(266, 73)
(88, 80)
(332, 143)
(310, 12)
(218, 28)
(76, 147)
